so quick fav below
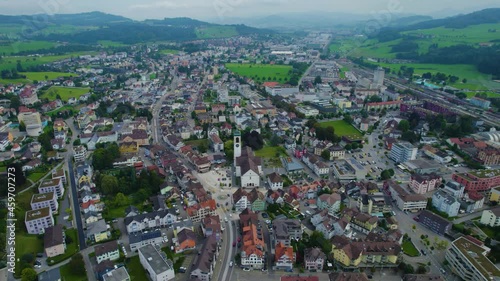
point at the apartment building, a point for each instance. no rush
(405, 200)
(107, 251)
(353, 254)
(79, 153)
(52, 185)
(38, 220)
(467, 259)
(314, 259)
(43, 200)
(479, 180)
(287, 229)
(204, 263)
(54, 241)
(422, 184)
(156, 263)
(491, 217)
(402, 152)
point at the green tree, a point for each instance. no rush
(202, 148)
(28, 274)
(325, 154)
(22, 127)
(15, 102)
(77, 265)
(317, 80)
(121, 200)
(109, 184)
(404, 125)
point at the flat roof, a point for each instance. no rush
(156, 259)
(37, 214)
(475, 254)
(42, 197)
(51, 182)
(485, 173)
(117, 274)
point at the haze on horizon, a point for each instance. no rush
(212, 9)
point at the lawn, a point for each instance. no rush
(68, 274)
(113, 213)
(169, 52)
(109, 43)
(22, 46)
(40, 76)
(65, 92)
(216, 32)
(262, 72)
(135, 269)
(342, 128)
(488, 94)
(196, 143)
(409, 249)
(11, 62)
(72, 248)
(36, 176)
(270, 151)
(63, 108)
(27, 244)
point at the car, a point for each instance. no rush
(228, 195)
(225, 219)
(423, 252)
(231, 215)
(246, 269)
(37, 266)
(218, 205)
(227, 203)
(231, 264)
(306, 204)
(268, 221)
(39, 255)
(265, 215)
(182, 269)
(184, 207)
(234, 244)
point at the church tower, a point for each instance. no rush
(237, 144)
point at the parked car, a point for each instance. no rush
(265, 215)
(231, 264)
(246, 269)
(234, 244)
(39, 255)
(182, 269)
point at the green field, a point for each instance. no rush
(488, 94)
(169, 52)
(35, 176)
(65, 92)
(270, 151)
(68, 274)
(342, 128)
(11, 62)
(216, 32)
(27, 244)
(22, 46)
(135, 269)
(109, 43)
(39, 76)
(409, 249)
(262, 72)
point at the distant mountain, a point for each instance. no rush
(460, 21)
(89, 28)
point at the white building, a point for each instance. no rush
(38, 220)
(157, 219)
(275, 181)
(53, 185)
(404, 200)
(79, 153)
(402, 152)
(378, 77)
(43, 200)
(446, 202)
(156, 263)
(107, 251)
(308, 111)
(491, 217)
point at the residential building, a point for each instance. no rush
(107, 251)
(98, 231)
(28, 96)
(54, 241)
(199, 211)
(336, 152)
(467, 258)
(252, 250)
(59, 174)
(374, 203)
(32, 121)
(383, 104)
(434, 222)
(186, 240)
(52, 185)
(156, 263)
(422, 184)
(275, 181)
(314, 259)
(308, 111)
(315, 164)
(446, 202)
(352, 254)
(495, 194)
(331, 202)
(117, 274)
(404, 200)
(284, 257)
(491, 217)
(216, 144)
(6, 139)
(402, 152)
(299, 278)
(141, 239)
(454, 188)
(204, 263)
(479, 180)
(158, 219)
(287, 229)
(43, 200)
(348, 276)
(210, 225)
(37, 221)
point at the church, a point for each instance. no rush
(248, 166)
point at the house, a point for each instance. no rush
(216, 144)
(275, 181)
(57, 144)
(331, 202)
(287, 229)
(79, 153)
(199, 211)
(422, 184)
(491, 217)
(284, 257)
(98, 231)
(50, 275)
(43, 200)
(155, 219)
(252, 250)
(54, 241)
(314, 163)
(255, 200)
(158, 202)
(52, 185)
(186, 240)
(141, 239)
(446, 202)
(314, 259)
(37, 221)
(116, 274)
(107, 251)
(6, 139)
(156, 263)
(336, 152)
(355, 253)
(138, 136)
(91, 217)
(28, 96)
(434, 222)
(204, 263)
(31, 164)
(210, 225)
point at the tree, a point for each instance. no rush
(317, 80)
(385, 175)
(28, 274)
(404, 125)
(15, 102)
(202, 148)
(109, 184)
(77, 265)
(22, 127)
(325, 154)
(421, 269)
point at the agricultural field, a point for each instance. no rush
(7, 48)
(40, 76)
(11, 62)
(64, 92)
(216, 32)
(110, 44)
(262, 72)
(342, 128)
(168, 52)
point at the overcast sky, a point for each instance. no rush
(213, 9)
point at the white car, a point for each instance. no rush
(231, 264)
(246, 269)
